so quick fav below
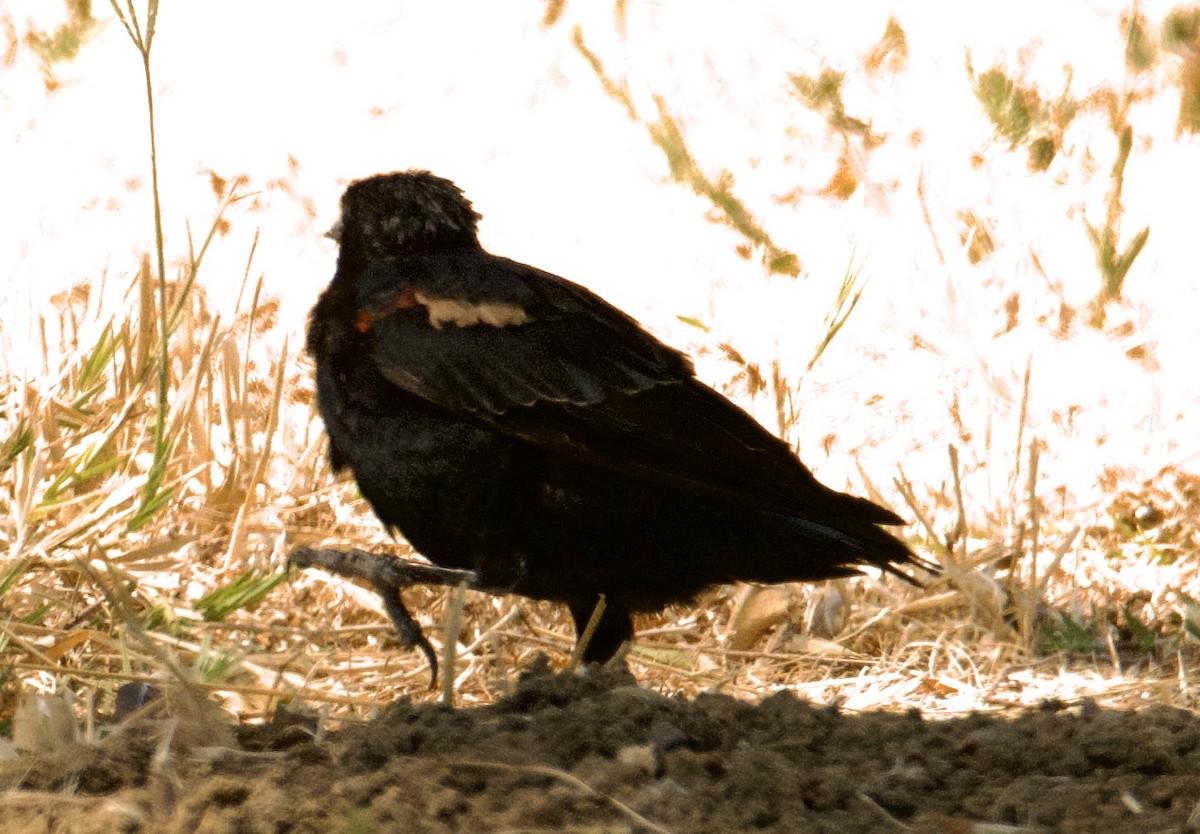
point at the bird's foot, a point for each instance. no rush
(388, 576)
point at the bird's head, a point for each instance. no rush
(403, 213)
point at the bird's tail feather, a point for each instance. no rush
(852, 543)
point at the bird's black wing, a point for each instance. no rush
(543, 360)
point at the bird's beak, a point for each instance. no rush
(335, 231)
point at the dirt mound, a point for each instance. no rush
(599, 753)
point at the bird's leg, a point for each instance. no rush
(584, 632)
(388, 575)
(613, 627)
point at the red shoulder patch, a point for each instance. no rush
(442, 311)
(404, 298)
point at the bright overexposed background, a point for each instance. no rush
(302, 98)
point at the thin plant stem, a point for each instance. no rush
(151, 500)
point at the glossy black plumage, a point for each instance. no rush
(508, 421)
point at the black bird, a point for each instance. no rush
(512, 423)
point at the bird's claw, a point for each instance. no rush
(388, 576)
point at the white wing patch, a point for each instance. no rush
(465, 314)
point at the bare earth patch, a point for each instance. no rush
(598, 753)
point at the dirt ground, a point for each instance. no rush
(598, 753)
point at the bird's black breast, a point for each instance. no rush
(443, 483)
